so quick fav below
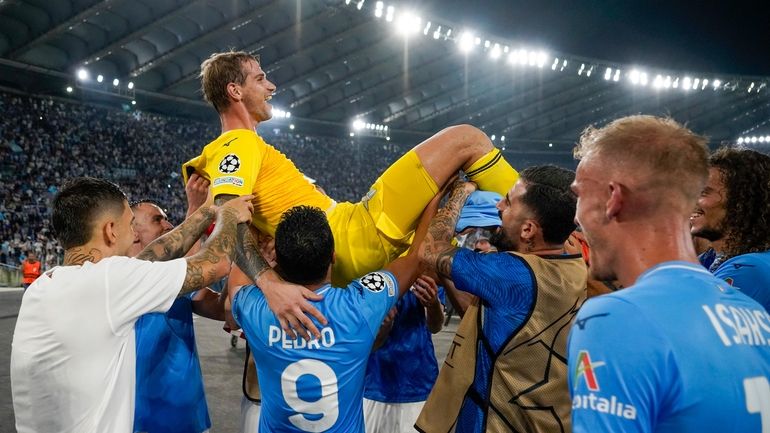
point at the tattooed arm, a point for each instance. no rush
(289, 302)
(437, 251)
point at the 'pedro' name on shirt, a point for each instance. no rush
(739, 325)
(276, 337)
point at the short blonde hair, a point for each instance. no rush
(218, 71)
(671, 154)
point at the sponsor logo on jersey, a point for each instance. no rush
(228, 180)
(229, 164)
(585, 368)
(611, 405)
(581, 323)
(729, 281)
(376, 282)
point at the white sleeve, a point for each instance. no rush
(137, 287)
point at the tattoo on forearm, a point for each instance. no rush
(78, 256)
(247, 255)
(204, 267)
(177, 242)
(438, 250)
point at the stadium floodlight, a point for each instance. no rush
(291, 127)
(133, 102)
(408, 24)
(99, 78)
(740, 140)
(761, 139)
(115, 82)
(427, 28)
(502, 138)
(657, 82)
(686, 83)
(494, 53)
(387, 138)
(130, 85)
(82, 74)
(616, 77)
(695, 83)
(590, 71)
(477, 40)
(378, 13)
(550, 144)
(643, 78)
(716, 84)
(634, 76)
(69, 89)
(667, 82)
(608, 74)
(288, 114)
(358, 125)
(465, 43)
(532, 58)
(493, 137)
(753, 139)
(390, 11)
(555, 64)
(704, 83)
(347, 2)
(360, 4)
(542, 58)
(582, 68)
(675, 84)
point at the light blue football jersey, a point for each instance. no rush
(316, 386)
(679, 351)
(750, 273)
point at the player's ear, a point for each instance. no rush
(233, 91)
(615, 202)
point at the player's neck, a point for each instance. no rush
(651, 245)
(719, 245)
(85, 253)
(314, 287)
(236, 117)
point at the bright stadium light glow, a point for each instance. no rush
(115, 82)
(69, 89)
(487, 43)
(634, 77)
(408, 24)
(427, 28)
(291, 127)
(761, 139)
(555, 64)
(495, 52)
(465, 42)
(740, 140)
(716, 84)
(389, 13)
(686, 83)
(502, 138)
(667, 82)
(753, 139)
(358, 125)
(82, 74)
(133, 102)
(130, 84)
(695, 83)
(675, 83)
(477, 40)
(542, 57)
(532, 58)
(360, 4)
(99, 78)
(608, 74)
(378, 9)
(492, 137)
(704, 83)
(616, 77)
(657, 82)
(643, 78)
(352, 134)
(378, 13)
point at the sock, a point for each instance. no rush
(492, 172)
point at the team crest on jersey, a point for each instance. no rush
(230, 164)
(376, 282)
(585, 368)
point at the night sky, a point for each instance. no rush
(697, 36)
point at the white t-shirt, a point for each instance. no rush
(73, 358)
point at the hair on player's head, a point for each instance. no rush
(78, 204)
(304, 245)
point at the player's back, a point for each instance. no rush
(315, 386)
(706, 347)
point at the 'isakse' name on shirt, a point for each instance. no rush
(739, 325)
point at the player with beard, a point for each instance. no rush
(733, 213)
(677, 350)
(367, 234)
(508, 359)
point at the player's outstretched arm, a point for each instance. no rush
(437, 251)
(289, 302)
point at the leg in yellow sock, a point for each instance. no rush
(492, 172)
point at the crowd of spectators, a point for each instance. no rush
(44, 141)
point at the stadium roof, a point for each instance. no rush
(335, 61)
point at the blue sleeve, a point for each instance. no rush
(495, 277)
(376, 292)
(622, 372)
(244, 302)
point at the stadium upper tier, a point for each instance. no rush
(338, 61)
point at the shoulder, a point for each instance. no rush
(376, 282)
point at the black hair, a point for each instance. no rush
(746, 177)
(304, 245)
(134, 203)
(79, 202)
(549, 196)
